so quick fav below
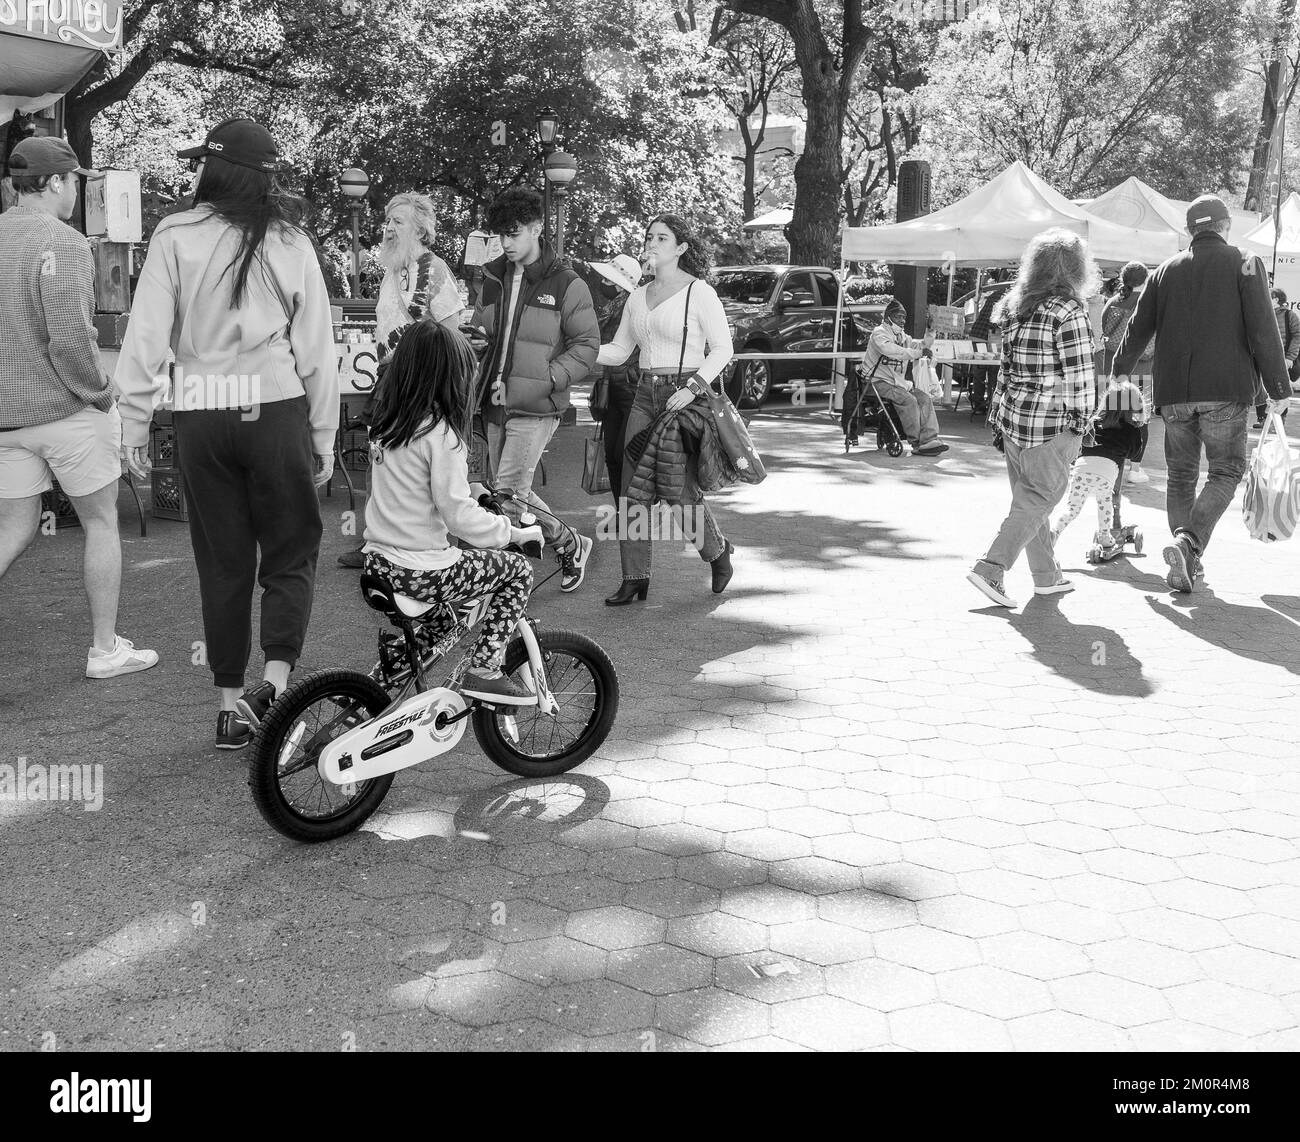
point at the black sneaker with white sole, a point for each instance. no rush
(254, 703)
(573, 567)
(233, 732)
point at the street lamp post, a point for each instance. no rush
(548, 129)
(354, 183)
(560, 171)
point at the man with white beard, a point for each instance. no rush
(417, 284)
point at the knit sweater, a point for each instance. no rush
(658, 333)
(49, 355)
(419, 492)
(278, 345)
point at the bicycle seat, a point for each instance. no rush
(378, 593)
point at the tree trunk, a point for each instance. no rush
(1257, 187)
(819, 174)
(80, 136)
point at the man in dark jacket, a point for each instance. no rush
(1209, 310)
(543, 337)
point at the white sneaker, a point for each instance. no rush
(122, 659)
(1136, 475)
(990, 589)
(1061, 587)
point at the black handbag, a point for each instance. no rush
(595, 472)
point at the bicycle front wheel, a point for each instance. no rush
(287, 789)
(525, 741)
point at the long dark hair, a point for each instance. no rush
(253, 202)
(697, 260)
(427, 382)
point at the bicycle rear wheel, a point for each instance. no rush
(584, 682)
(287, 789)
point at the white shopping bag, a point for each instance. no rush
(925, 377)
(1271, 503)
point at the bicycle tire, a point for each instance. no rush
(269, 741)
(488, 728)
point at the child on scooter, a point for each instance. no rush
(420, 491)
(1114, 436)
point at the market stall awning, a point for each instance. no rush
(1134, 203)
(46, 47)
(1259, 240)
(777, 219)
(992, 225)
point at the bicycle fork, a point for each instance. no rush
(533, 672)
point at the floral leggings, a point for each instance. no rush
(504, 575)
(1087, 483)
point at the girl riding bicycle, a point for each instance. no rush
(420, 491)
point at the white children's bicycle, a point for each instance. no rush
(325, 754)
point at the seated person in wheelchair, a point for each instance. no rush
(419, 469)
(884, 364)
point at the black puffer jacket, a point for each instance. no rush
(682, 459)
(555, 338)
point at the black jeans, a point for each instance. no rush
(250, 490)
(613, 424)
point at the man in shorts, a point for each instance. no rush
(57, 414)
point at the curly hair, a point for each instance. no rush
(1055, 264)
(697, 259)
(423, 213)
(518, 206)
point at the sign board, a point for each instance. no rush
(947, 321)
(357, 361)
(77, 23)
(481, 247)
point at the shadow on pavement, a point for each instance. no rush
(1267, 634)
(1091, 656)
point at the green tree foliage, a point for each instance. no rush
(1087, 93)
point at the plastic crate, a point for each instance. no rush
(169, 495)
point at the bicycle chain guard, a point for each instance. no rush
(416, 731)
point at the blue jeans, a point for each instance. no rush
(517, 448)
(652, 393)
(1219, 427)
(1039, 478)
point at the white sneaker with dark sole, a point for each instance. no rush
(122, 659)
(991, 590)
(575, 567)
(500, 691)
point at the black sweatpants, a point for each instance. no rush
(249, 487)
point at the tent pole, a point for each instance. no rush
(839, 368)
(952, 272)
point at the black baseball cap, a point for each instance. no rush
(1207, 208)
(241, 141)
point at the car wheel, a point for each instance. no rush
(755, 379)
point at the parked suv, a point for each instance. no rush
(786, 309)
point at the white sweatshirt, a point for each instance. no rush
(278, 345)
(658, 333)
(420, 492)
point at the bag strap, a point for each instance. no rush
(686, 312)
(1291, 318)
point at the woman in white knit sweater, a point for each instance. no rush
(678, 324)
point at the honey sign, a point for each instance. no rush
(77, 23)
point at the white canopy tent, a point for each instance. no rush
(1260, 241)
(1134, 203)
(992, 225)
(777, 219)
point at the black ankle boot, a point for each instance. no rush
(628, 590)
(722, 569)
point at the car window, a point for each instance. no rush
(753, 287)
(797, 291)
(830, 288)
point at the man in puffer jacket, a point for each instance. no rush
(543, 337)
